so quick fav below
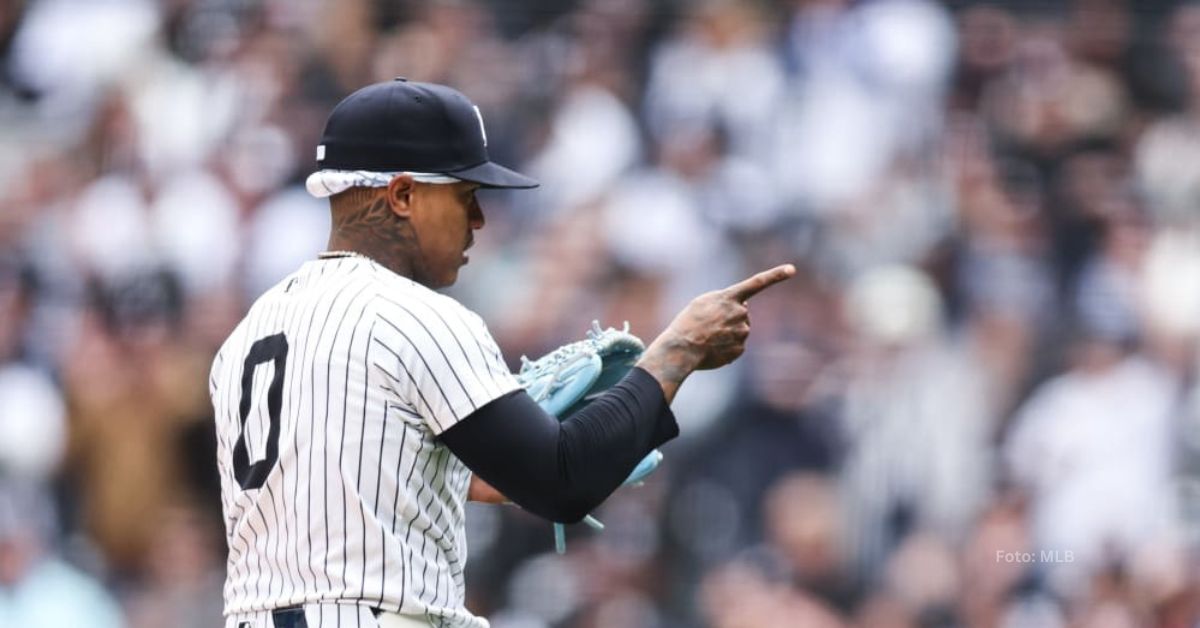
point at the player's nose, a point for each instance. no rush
(475, 216)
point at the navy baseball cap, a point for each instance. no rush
(409, 126)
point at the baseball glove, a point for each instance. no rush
(567, 379)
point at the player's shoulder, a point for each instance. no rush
(402, 295)
(315, 284)
(322, 280)
(410, 309)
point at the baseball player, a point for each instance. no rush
(357, 409)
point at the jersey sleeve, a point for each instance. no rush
(439, 358)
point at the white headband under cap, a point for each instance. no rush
(325, 183)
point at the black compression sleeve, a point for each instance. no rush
(561, 471)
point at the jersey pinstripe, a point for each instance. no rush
(328, 398)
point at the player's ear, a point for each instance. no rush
(401, 191)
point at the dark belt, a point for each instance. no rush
(292, 617)
(289, 617)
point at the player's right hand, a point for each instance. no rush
(709, 332)
(716, 324)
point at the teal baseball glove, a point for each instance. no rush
(567, 379)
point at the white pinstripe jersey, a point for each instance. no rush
(328, 397)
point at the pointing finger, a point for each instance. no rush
(743, 290)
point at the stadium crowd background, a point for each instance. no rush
(977, 405)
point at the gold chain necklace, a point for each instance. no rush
(337, 254)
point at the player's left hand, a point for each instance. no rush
(481, 491)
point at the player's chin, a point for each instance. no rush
(449, 277)
(448, 271)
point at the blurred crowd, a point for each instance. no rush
(977, 405)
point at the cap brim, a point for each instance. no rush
(492, 175)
